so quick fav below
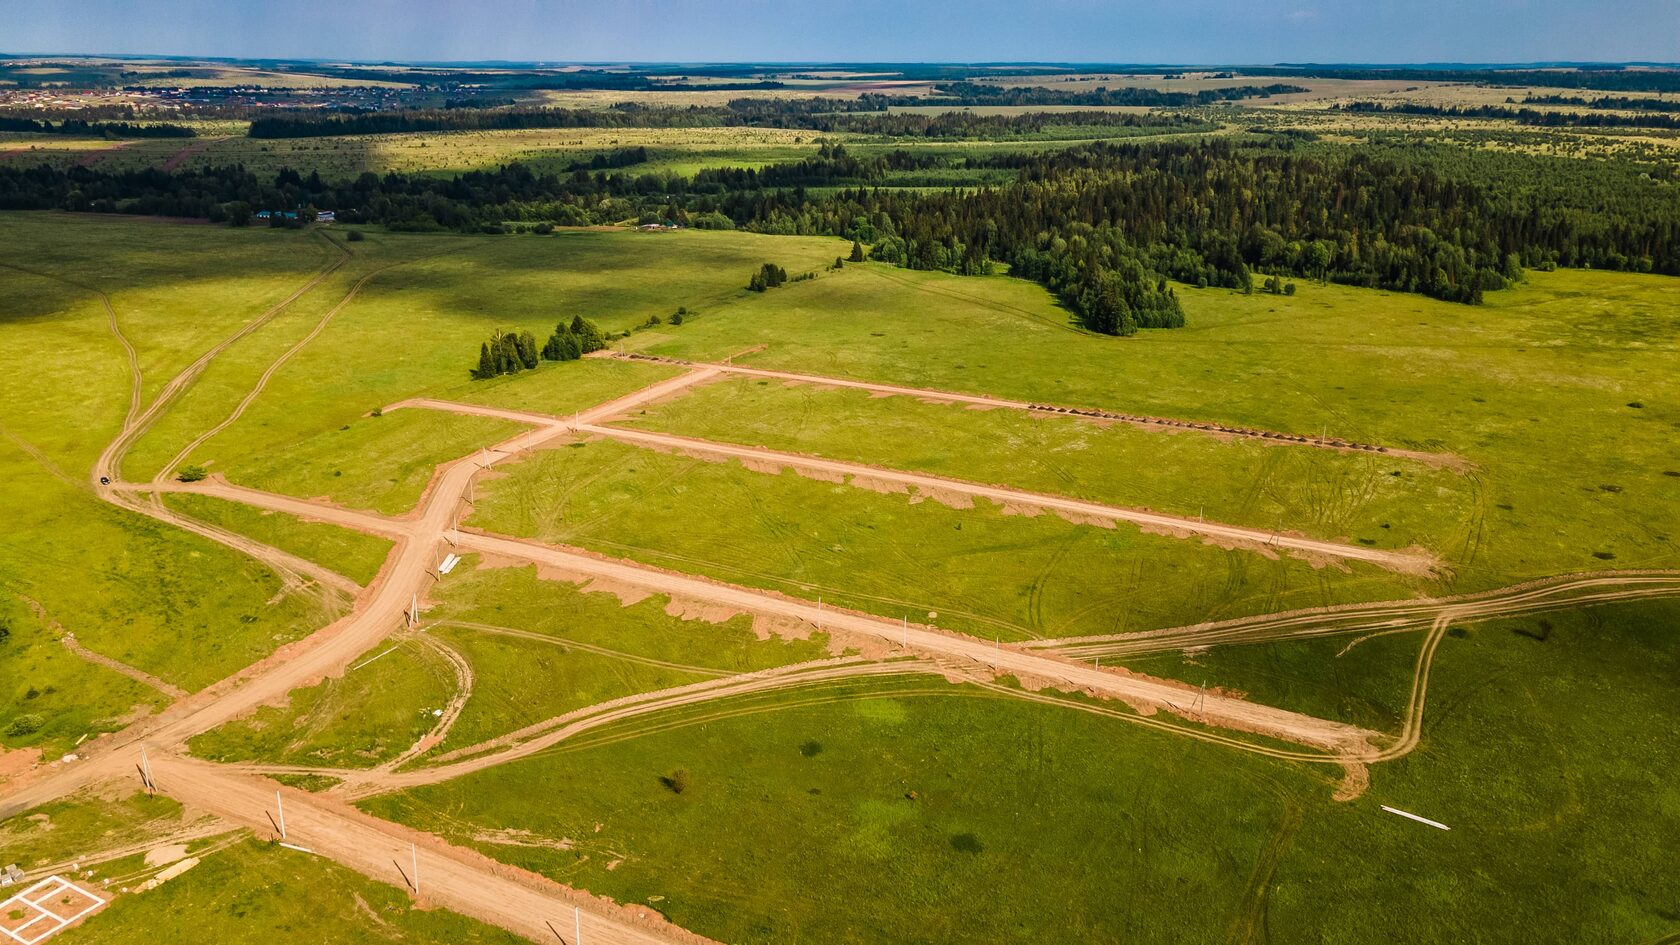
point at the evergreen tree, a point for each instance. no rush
(588, 335)
(486, 365)
(857, 252)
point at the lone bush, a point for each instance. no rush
(677, 781)
(193, 473)
(354, 236)
(27, 724)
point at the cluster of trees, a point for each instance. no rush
(975, 93)
(509, 353)
(621, 157)
(1623, 102)
(506, 353)
(573, 341)
(1522, 116)
(768, 276)
(83, 128)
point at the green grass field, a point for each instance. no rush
(848, 821)
(352, 554)
(1509, 385)
(1369, 498)
(981, 570)
(369, 715)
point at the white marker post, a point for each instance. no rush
(577, 925)
(280, 808)
(414, 861)
(904, 640)
(1422, 820)
(819, 612)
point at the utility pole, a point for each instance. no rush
(280, 808)
(146, 771)
(577, 926)
(414, 611)
(414, 861)
(819, 612)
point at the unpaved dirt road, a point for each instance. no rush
(1444, 460)
(913, 637)
(449, 876)
(1415, 562)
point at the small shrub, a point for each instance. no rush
(676, 781)
(543, 229)
(378, 412)
(192, 473)
(354, 236)
(811, 749)
(5, 632)
(27, 724)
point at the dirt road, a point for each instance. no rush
(1445, 460)
(448, 876)
(1406, 562)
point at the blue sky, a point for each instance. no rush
(1176, 31)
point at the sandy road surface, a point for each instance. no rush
(1405, 562)
(1447, 460)
(449, 876)
(916, 638)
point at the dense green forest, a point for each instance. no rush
(1522, 116)
(866, 116)
(1105, 226)
(1623, 102)
(975, 93)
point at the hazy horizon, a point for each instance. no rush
(805, 32)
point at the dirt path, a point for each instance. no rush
(547, 734)
(1066, 673)
(567, 643)
(1405, 562)
(1440, 460)
(68, 639)
(463, 672)
(449, 876)
(280, 362)
(1568, 591)
(1142, 691)
(110, 460)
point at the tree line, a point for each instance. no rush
(1523, 116)
(865, 116)
(82, 128)
(1622, 102)
(976, 93)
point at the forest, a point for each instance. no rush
(1522, 116)
(1104, 226)
(866, 116)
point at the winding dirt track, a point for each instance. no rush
(1445, 460)
(1405, 562)
(1549, 594)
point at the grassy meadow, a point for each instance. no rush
(981, 569)
(1509, 386)
(844, 819)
